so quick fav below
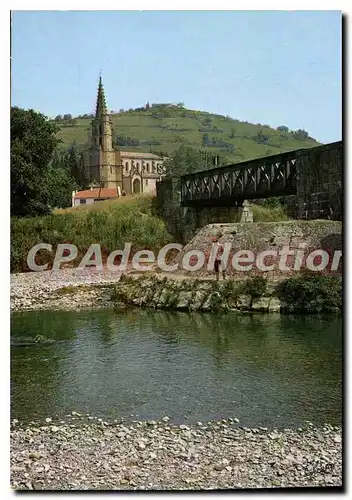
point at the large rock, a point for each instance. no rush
(184, 300)
(261, 304)
(198, 299)
(274, 304)
(244, 302)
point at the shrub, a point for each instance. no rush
(311, 293)
(256, 286)
(268, 214)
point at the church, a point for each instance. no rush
(112, 172)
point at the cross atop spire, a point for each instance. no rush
(100, 109)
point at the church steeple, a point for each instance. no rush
(101, 124)
(105, 165)
(100, 109)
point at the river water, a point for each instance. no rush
(266, 370)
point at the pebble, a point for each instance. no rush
(213, 457)
(38, 290)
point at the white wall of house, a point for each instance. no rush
(77, 201)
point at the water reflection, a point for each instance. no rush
(264, 369)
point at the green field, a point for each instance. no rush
(165, 129)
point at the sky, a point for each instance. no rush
(269, 67)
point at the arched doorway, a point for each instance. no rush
(136, 186)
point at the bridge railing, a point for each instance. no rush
(259, 178)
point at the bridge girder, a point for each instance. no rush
(231, 184)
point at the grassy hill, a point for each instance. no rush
(165, 129)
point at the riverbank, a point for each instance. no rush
(74, 289)
(84, 453)
(308, 293)
(67, 289)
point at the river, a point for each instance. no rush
(265, 370)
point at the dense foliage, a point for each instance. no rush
(186, 160)
(256, 286)
(110, 223)
(42, 176)
(33, 142)
(311, 293)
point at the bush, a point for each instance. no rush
(311, 293)
(268, 214)
(122, 140)
(301, 134)
(272, 202)
(256, 286)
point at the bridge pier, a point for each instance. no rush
(184, 222)
(194, 218)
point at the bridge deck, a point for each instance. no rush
(231, 184)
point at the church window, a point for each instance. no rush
(146, 182)
(137, 165)
(147, 167)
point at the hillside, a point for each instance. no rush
(165, 129)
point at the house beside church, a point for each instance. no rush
(112, 172)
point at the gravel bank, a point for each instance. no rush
(40, 290)
(89, 454)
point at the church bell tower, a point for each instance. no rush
(105, 167)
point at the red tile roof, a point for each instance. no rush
(97, 193)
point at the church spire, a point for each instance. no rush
(100, 109)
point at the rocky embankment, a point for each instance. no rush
(188, 294)
(96, 455)
(252, 295)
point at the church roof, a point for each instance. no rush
(97, 193)
(135, 154)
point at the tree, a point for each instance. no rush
(61, 182)
(205, 139)
(121, 140)
(207, 121)
(262, 138)
(301, 134)
(33, 142)
(283, 128)
(186, 160)
(74, 162)
(232, 133)
(67, 117)
(58, 118)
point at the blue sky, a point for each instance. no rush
(276, 68)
